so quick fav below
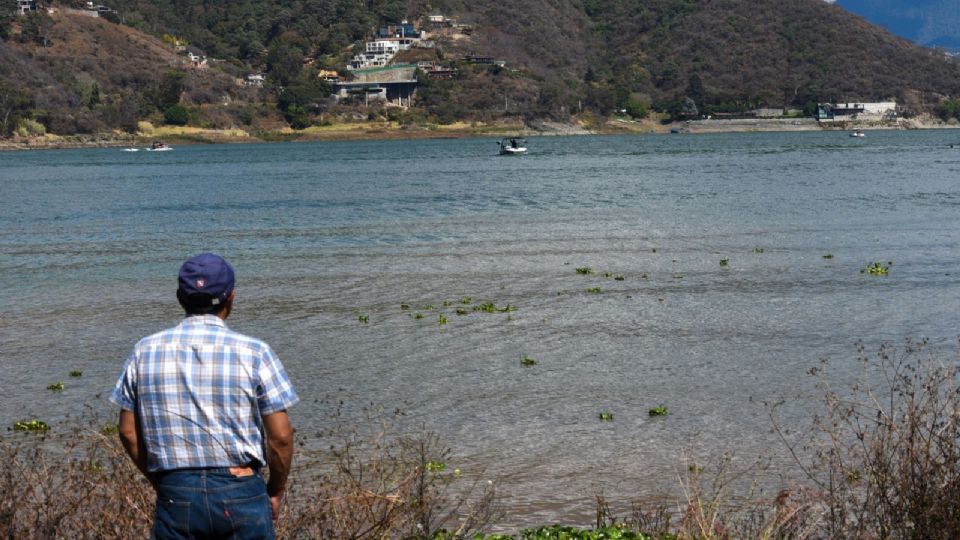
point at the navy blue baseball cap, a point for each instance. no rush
(205, 280)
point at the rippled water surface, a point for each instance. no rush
(321, 233)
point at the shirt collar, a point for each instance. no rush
(204, 320)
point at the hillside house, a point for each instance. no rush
(402, 30)
(438, 22)
(196, 60)
(26, 6)
(394, 85)
(254, 80)
(328, 75)
(839, 112)
(436, 71)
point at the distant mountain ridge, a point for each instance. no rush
(561, 57)
(927, 22)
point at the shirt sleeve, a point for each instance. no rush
(125, 392)
(275, 393)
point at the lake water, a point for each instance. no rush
(322, 233)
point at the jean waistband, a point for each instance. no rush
(208, 470)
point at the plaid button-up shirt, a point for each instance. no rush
(201, 392)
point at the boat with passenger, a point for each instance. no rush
(158, 146)
(512, 146)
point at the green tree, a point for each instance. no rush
(284, 63)
(169, 89)
(635, 108)
(14, 102)
(176, 115)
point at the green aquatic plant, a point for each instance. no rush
(446, 303)
(466, 300)
(37, 426)
(618, 278)
(76, 373)
(644, 276)
(418, 316)
(758, 250)
(585, 270)
(594, 290)
(442, 319)
(428, 307)
(658, 411)
(606, 416)
(828, 256)
(404, 306)
(55, 387)
(435, 466)
(678, 276)
(876, 269)
(461, 311)
(607, 275)
(365, 319)
(526, 361)
(724, 262)
(486, 307)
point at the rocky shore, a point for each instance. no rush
(394, 131)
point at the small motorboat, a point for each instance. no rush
(512, 146)
(131, 149)
(158, 146)
(857, 133)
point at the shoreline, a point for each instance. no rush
(382, 131)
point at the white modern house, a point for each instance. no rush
(26, 6)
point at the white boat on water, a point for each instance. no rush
(857, 133)
(512, 147)
(131, 149)
(158, 146)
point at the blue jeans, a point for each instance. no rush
(211, 503)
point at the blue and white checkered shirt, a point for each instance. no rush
(201, 392)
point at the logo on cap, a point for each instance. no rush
(200, 283)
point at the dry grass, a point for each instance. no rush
(81, 485)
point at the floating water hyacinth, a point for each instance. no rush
(724, 262)
(606, 416)
(76, 373)
(404, 306)
(586, 270)
(828, 256)
(758, 250)
(876, 269)
(442, 319)
(461, 311)
(526, 361)
(594, 290)
(619, 278)
(658, 411)
(418, 316)
(466, 300)
(486, 307)
(365, 319)
(31, 425)
(435, 466)
(56, 387)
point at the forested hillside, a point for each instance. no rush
(563, 57)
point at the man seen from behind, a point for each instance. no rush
(203, 410)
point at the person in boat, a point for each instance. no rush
(158, 144)
(513, 143)
(203, 410)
